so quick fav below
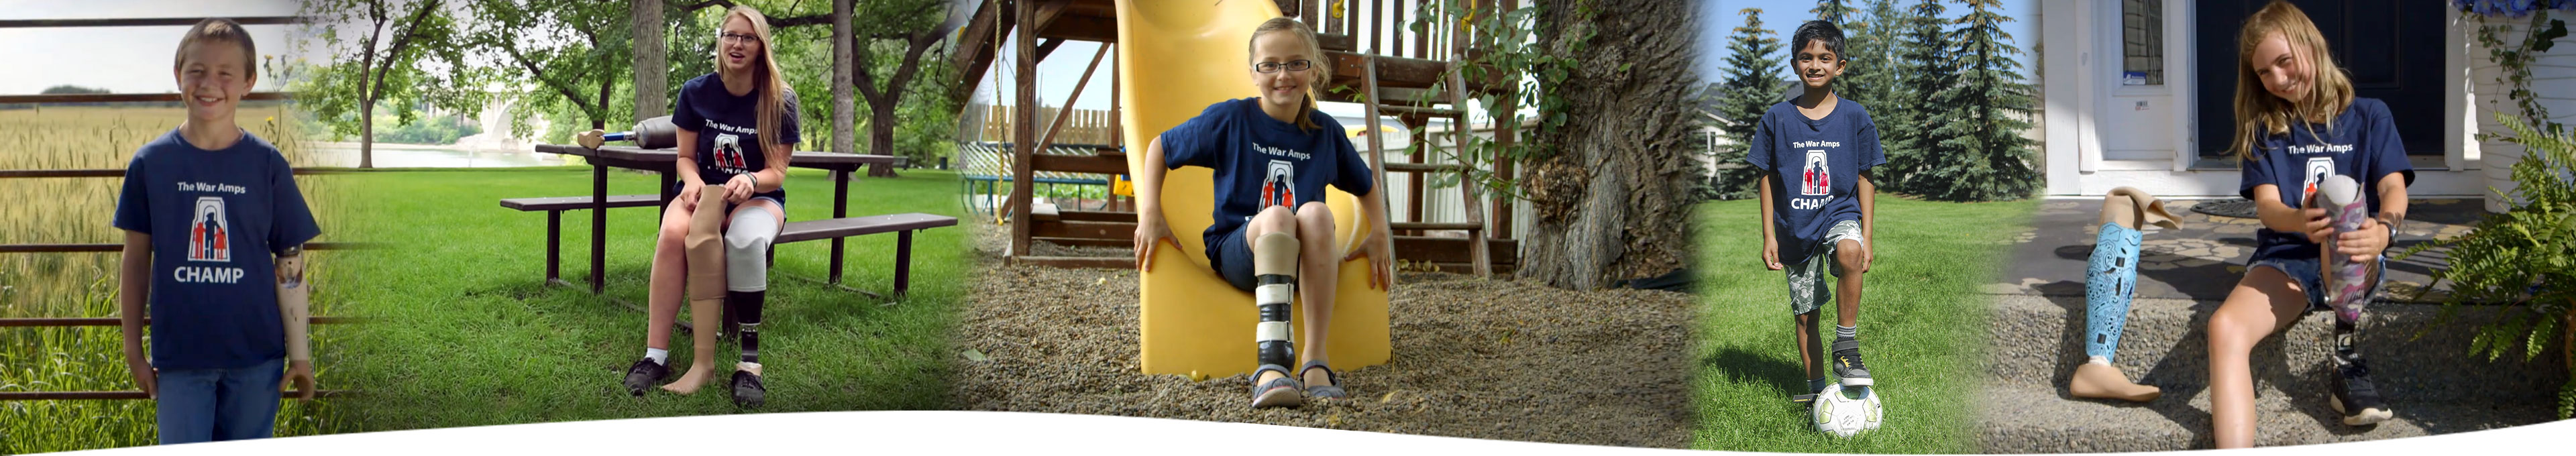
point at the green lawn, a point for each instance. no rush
(468, 335)
(1922, 327)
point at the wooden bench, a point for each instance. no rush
(901, 224)
(554, 207)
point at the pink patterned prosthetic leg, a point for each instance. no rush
(2347, 282)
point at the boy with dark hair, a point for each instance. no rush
(224, 276)
(1826, 224)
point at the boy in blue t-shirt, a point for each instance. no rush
(214, 225)
(1816, 204)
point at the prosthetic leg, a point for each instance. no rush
(706, 288)
(2347, 286)
(2110, 281)
(747, 243)
(1274, 268)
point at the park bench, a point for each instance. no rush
(554, 208)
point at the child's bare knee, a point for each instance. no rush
(1848, 256)
(1275, 219)
(1315, 216)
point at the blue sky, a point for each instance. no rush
(121, 59)
(1783, 16)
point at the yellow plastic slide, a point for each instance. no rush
(1174, 59)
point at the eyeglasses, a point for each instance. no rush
(736, 38)
(1292, 65)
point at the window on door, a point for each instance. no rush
(2142, 42)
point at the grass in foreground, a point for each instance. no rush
(468, 335)
(1922, 329)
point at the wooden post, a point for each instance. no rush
(1068, 110)
(1024, 125)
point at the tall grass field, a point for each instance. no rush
(79, 210)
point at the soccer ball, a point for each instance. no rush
(1845, 412)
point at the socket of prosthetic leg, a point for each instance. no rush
(1274, 260)
(2134, 208)
(705, 246)
(2340, 196)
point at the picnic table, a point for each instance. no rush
(662, 161)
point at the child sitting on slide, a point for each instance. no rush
(1272, 155)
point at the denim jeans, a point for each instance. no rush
(204, 405)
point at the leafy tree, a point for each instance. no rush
(383, 50)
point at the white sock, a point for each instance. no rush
(659, 356)
(1846, 332)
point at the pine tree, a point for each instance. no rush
(1751, 86)
(1870, 75)
(1982, 155)
(1925, 69)
(1834, 11)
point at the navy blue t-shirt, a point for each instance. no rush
(728, 128)
(217, 218)
(2362, 144)
(1261, 161)
(1815, 169)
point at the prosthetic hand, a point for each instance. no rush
(294, 307)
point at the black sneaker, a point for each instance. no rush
(2353, 396)
(747, 390)
(643, 375)
(1847, 365)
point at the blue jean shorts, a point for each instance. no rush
(206, 405)
(2309, 276)
(1231, 256)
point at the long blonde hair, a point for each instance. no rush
(767, 84)
(2258, 113)
(1323, 66)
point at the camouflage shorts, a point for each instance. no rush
(1807, 285)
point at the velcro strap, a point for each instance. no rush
(1846, 344)
(1274, 294)
(1270, 331)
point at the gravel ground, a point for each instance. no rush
(1491, 359)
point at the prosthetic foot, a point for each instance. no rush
(2110, 281)
(705, 246)
(1274, 268)
(748, 391)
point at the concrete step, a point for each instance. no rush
(2031, 419)
(2037, 341)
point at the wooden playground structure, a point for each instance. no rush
(1399, 61)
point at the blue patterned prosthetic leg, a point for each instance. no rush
(2109, 281)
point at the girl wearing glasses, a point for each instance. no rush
(736, 129)
(1272, 155)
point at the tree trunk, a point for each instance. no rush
(881, 131)
(1614, 201)
(652, 67)
(844, 106)
(367, 131)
